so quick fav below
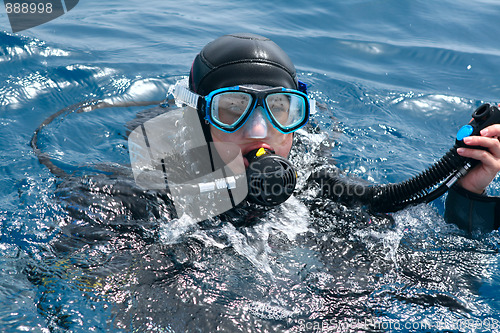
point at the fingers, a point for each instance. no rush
(489, 140)
(491, 143)
(484, 156)
(479, 177)
(491, 131)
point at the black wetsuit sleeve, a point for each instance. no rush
(471, 211)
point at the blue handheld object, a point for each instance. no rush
(464, 132)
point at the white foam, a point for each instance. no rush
(171, 232)
(270, 311)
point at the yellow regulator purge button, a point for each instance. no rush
(260, 152)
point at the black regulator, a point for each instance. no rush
(271, 178)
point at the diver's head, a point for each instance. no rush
(264, 86)
(241, 59)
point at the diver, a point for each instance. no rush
(245, 91)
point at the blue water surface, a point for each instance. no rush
(396, 77)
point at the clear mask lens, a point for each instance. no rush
(288, 110)
(229, 108)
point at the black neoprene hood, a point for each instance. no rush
(239, 59)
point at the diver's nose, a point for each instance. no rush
(256, 126)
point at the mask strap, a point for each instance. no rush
(302, 87)
(312, 106)
(183, 95)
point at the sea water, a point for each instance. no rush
(394, 81)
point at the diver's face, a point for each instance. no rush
(257, 132)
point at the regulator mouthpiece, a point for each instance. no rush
(271, 178)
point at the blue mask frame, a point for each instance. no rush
(258, 98)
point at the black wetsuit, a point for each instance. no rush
(471, 211)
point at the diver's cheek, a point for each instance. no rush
(283, 144)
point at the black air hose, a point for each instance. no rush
(393, 197)
(43, 157)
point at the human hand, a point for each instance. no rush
(481, 175)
